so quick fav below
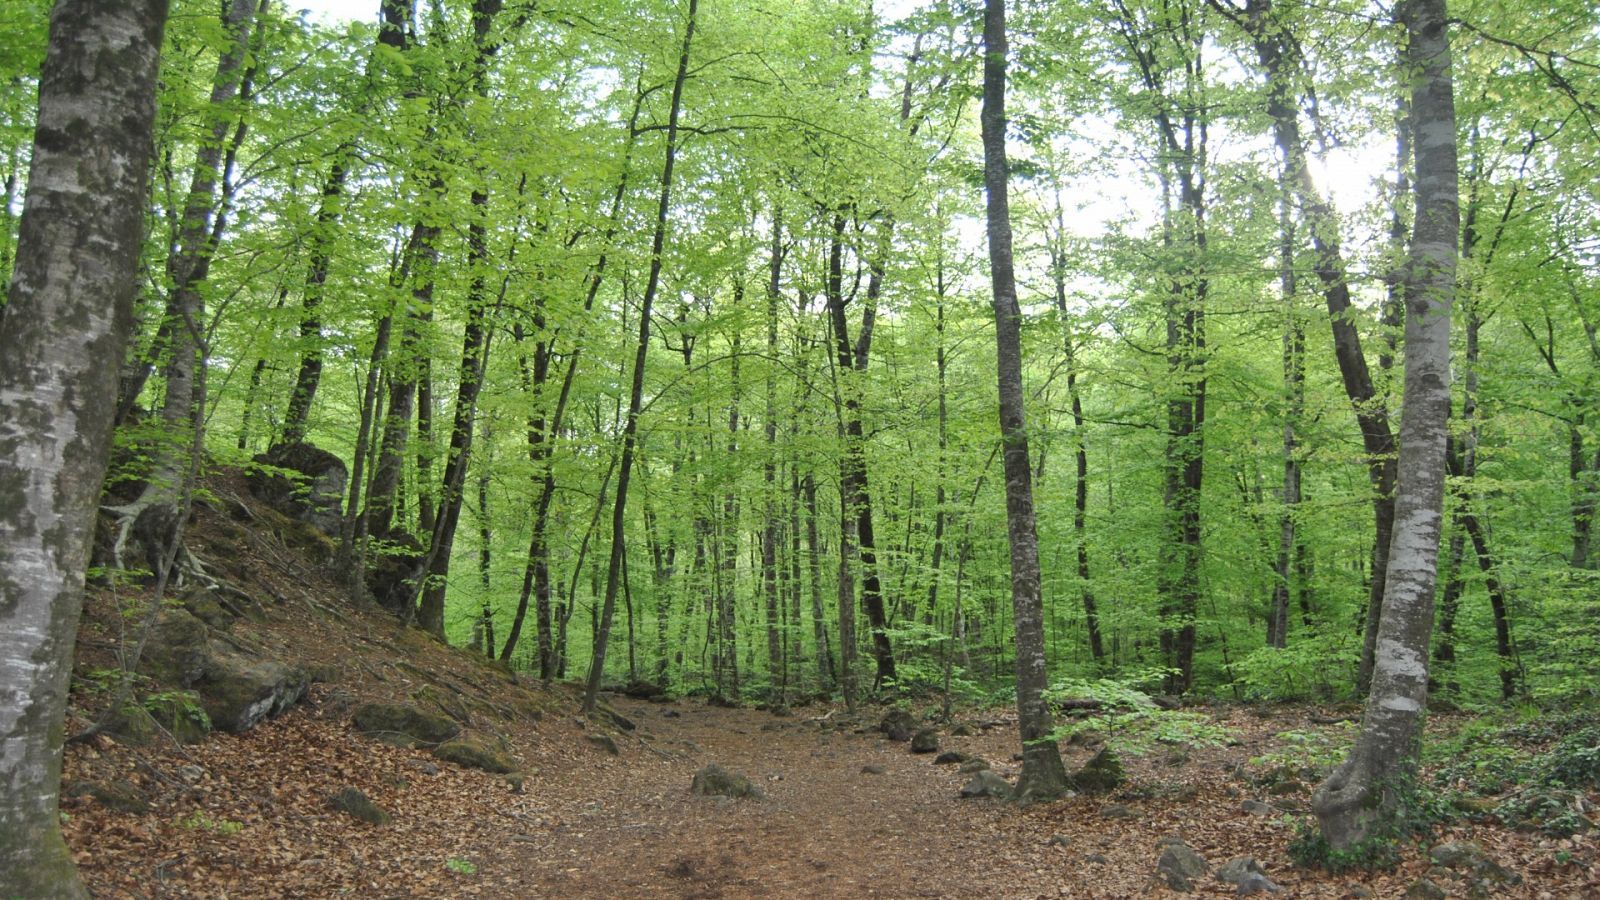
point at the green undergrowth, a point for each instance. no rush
(1533, 774)
(1128, 716)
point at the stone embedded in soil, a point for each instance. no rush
(873, 770)
(962, 729)
(987, 784)
(1455, 854)
(475, 753)
(1058, 840)
(973, 766)
(1179, 865)
(898, 725)
(715, 781)
(950, 757)
(1245, 874)
(1257, 808)
(239, 692)
(1234, 870)
(1117, 811)
(203, 603)
(603, 713)
(359, 805)
(605, 742)
(1469, 855)
(404, 725)
(925, 740)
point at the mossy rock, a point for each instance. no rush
(403, 725)
(605, 742)
(360, 806)
(203, 604)
(1102, 773)
(475, 753)
(132, 725)
(181, 714)
(606, 714)
(898, 725)
(926, 740)
(176, 652)
(239, 692)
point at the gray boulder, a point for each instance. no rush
(304, 482)
(238, 692)
(987, 784)
(926, 740)
(1244, 873)
(1179, 866)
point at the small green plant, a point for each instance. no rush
(199, 821)
(461, 866)
(180, 713)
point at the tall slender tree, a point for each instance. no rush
(1043, 775)
(1363, 796)
(630, 428)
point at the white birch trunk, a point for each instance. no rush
(67, 323)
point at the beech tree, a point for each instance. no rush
(1365, 795)
(69, 309)
(1043, 775)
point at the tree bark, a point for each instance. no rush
(1361, 799)
(777, 670)
(1043, 775)
(69, 311)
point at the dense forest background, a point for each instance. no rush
(424, 258)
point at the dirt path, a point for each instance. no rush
(824, 828)
(630, 828)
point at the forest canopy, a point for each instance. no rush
(420, 251)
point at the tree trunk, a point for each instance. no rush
(636, 392)
(1294, 378)
(1043, 775)
(776, 667)
(819, 625)
(77, 255)
(854, 489)
(1361, 798)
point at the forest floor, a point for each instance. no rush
(845, 812)
(587, 823)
